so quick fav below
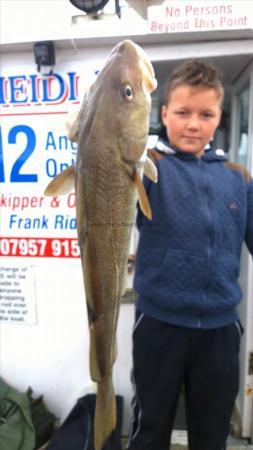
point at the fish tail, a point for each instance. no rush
(105, 413)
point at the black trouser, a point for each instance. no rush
(205, 361)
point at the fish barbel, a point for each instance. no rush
(111, 129)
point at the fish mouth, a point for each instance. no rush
(149, 80)
(146, 68)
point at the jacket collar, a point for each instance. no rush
(210, 154)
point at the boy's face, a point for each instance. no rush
(191, 117)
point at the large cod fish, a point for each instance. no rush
(111, 129)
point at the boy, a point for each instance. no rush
(187, 328)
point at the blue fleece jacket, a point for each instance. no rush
(188, 258)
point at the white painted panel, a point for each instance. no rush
(245, 397)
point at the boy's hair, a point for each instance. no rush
(195, 73)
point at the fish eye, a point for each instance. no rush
(127, 92)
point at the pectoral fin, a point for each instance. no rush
(143, 198)
(63, 183)
(150, 170)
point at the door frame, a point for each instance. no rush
(245, 397)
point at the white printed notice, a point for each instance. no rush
(197, 15)
(17, 295)
(34, 148)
